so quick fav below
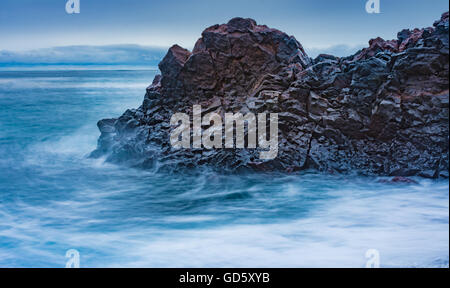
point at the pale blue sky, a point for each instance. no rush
(31, 24)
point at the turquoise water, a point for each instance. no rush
(53, 198)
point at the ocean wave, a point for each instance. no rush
(64, 83)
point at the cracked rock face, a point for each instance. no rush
(382, 111)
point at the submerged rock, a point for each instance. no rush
(382, 111)
(399, 180)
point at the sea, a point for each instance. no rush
(56, 202)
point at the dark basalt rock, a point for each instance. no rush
(382, 111)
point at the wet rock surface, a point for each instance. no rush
(382, 111)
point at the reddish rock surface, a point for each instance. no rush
(382, 111)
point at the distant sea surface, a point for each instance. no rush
(53, 198)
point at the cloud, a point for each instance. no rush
(336, 50)
(86, 55)
(127, 55)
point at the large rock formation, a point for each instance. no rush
(382, 111)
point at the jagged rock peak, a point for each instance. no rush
(225, 50)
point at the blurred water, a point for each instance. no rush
(53, 198)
